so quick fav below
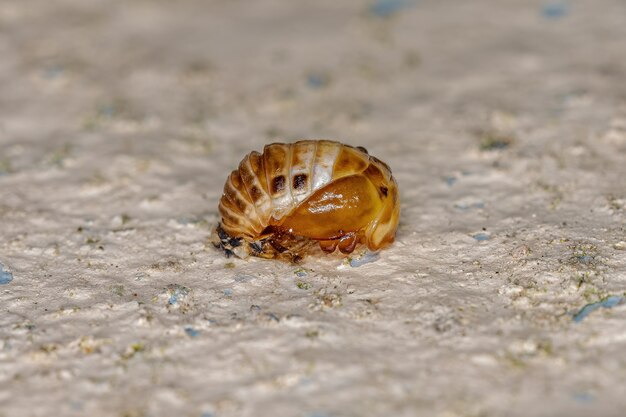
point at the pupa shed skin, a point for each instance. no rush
(320, 190)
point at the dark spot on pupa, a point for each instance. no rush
(299, 181)
(255, 193)
(362, 149)
(278, 184)
(384, 190)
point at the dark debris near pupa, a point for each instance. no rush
(286, 247)
(226, 242)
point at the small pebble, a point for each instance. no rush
(620, 245)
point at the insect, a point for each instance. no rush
(280, 201)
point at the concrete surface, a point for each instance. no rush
(504, 123)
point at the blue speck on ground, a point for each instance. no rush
(243, 278)
(315, 80)
(176, 291)
(272, 316)
(186, 221)
(300, 272)
(365, 259)
(608, 302)
(585, 259)
(191, 332)
(469, 206)
(5, 276)
(555, 10)
(481, 237)
(583, 397)
(107, 110)
(53, 72)
(387, 8)
(207, 414)
(228, 292)
(450, 180)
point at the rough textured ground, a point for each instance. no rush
(504, 123)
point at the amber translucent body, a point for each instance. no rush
(321, 190)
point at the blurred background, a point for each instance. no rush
(137, 78)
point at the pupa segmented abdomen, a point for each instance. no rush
(268, 187)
